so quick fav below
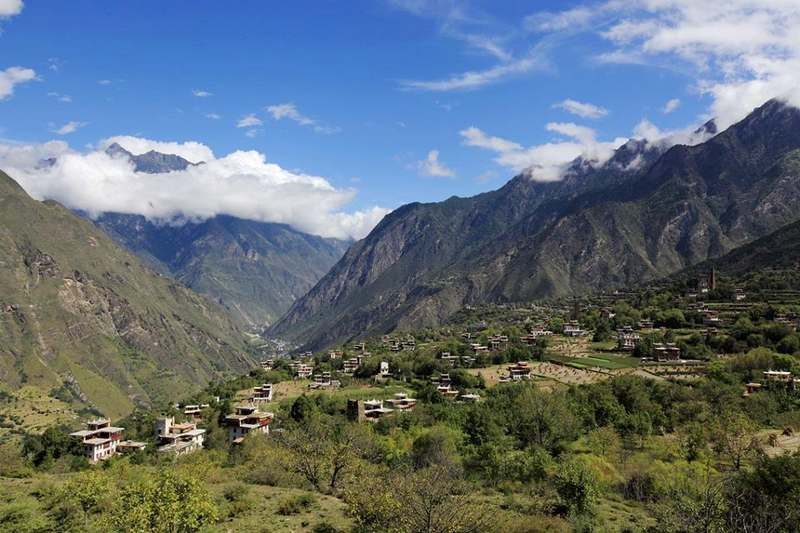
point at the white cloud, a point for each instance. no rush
(671, 106)
(104, 82)
(582, 109)
(248, 121)
(242, 184)
(432, 167)
(13, 76)
(202, 94)
(548, 161)
(60, 97)
(70, 127)
(742, 52)
(290, 111)
(213, 116)
(9, 8)
(559, 21)
(506, 44)
(689, 135)
(475, 79)
(190, 150)
(252, 133)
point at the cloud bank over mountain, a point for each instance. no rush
(242, 184)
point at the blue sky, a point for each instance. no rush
(379, 92)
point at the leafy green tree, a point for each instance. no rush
(303, 408)
(576, 486)
(163, 503)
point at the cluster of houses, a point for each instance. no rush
(324, 380)
(535, 333)
(372, 410)
(445, 387)
(456, 361)
(301, 370)
(399, 345)
(771, 379)
(102, 441)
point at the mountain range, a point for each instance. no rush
(84, 320)
(255, 269)
(649, 211)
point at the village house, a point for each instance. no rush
(384, 369)
(335, 354)
(479, 348)
(752, 388)
(401, 402)
(456, 361)
(361, 346)
(668, 351)
(627, 339)
(247, 419)
(194, 411)
(444, 387)
(267, 364)
(739, 294)
(301, 370)
(409, 345)
(573, 329)
(519, 371)
(352, 364)
(180, 439)
(325, 380)
(469, 398)
(646, 324)
(100, 439)
(262, 393)
(497, 342)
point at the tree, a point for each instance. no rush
(302, 408)
(163, 503)
(431, 500)
(735, 437)
(323, 451)
(435, 447)
(576, 486)
(602, 332)
(543, 419)
(78, 499)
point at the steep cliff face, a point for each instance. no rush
(646, 213)
(77, 311)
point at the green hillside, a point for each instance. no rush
(83, 321)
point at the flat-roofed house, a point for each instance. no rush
(180, 439)
(352, 364)
(521, 370)
(627, 339)
(666, 351)
(401, 402)
(374, 409)
(262, 393)
(573, 329)
(100, 439)
(247, 419)
(301, 370)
